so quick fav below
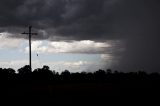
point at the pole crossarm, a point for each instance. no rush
(30, 33)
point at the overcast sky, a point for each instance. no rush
(81, 35)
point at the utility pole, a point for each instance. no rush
(30, 34)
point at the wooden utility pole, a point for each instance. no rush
(30, 34)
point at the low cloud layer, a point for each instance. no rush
(85, 46)
(7, 42)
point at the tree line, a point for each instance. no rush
(45, 75)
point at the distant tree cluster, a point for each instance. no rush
(45, 75)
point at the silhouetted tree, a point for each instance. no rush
(116, 72)
(11, 71)
(25, 70)
(109, 71)
(43, 73)
(45, 68)
(65, 73)
(100, 72)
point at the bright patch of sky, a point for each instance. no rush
(85, 55)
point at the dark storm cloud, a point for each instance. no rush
(133, 22)
(81, 19)
(76, 19)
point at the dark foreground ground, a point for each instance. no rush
(82, 93)
(46, 87)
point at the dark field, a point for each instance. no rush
(90, 93)
(43, 86)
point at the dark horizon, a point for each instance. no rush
(84, 71)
